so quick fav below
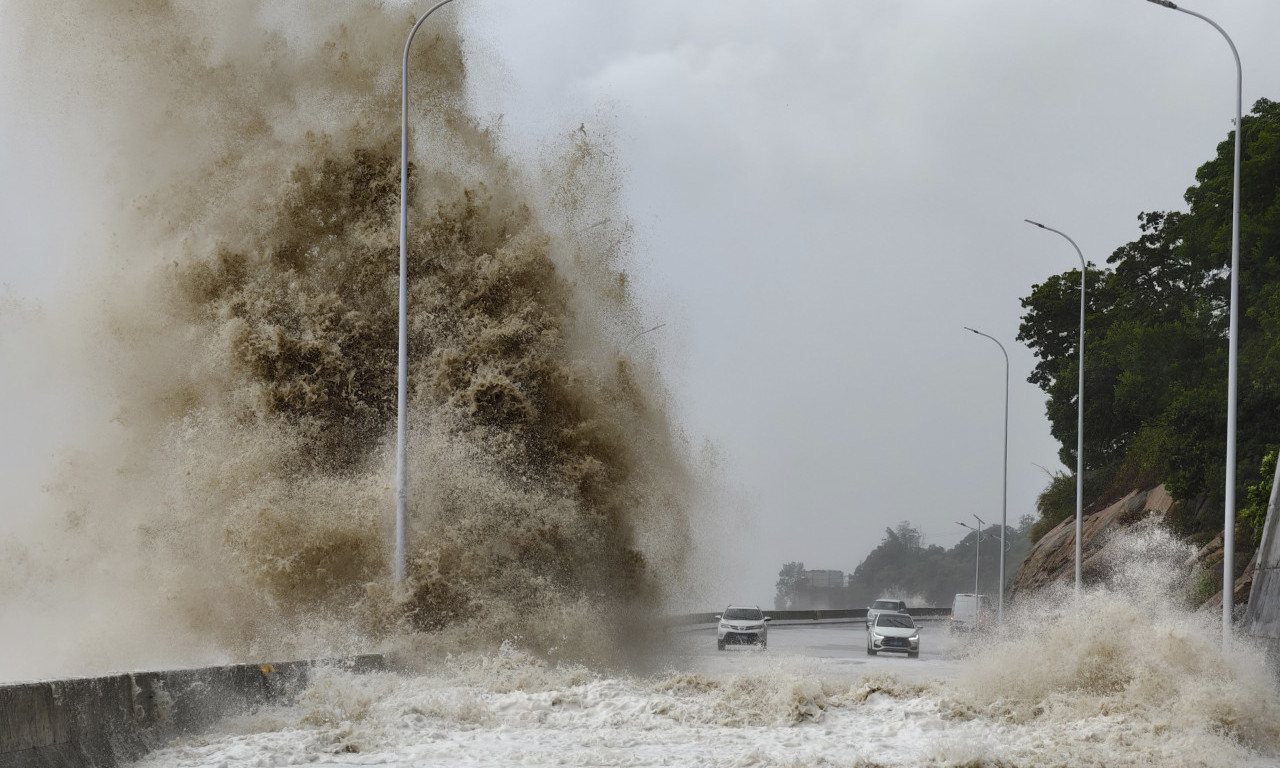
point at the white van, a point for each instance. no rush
(970, 612)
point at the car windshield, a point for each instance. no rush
(885, 605)
(895, 620)
(744, 614)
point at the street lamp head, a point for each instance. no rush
(1036, 223)
(1165, 3)
(970, 330)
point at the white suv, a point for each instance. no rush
(742, 625)
(884, 606)
(895, 632)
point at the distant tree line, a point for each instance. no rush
(902, 567)
(1156, 349)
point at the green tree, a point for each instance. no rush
(901, 565)
(1253, 515)
(1156, 325)
(790, 583)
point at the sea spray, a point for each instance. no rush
(1128, 676)
(1128, 662)
(235, 500)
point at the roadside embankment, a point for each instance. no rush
(106, 721)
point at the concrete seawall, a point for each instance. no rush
(108, 721)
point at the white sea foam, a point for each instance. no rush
(765, 717)
(771, 710)
(1128, 676)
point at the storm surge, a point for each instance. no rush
(1127, 675)
(1127, 672)
(233, 496)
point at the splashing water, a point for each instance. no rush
(1129, 663)
(1127, 677)
(234, 500)
(228, 495)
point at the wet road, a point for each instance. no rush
(842, 649)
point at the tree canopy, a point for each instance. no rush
(1156, 336)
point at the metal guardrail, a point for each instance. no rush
(824, 615)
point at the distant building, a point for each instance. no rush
(825, 579)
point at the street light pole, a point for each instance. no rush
(1233, 337)
(402, 418)
(1084, 271)
(977, 550)
(1004, 500)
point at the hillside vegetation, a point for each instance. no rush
(1156, 350)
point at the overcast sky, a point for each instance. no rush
(824, 194)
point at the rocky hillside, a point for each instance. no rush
(1052, 558)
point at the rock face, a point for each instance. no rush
(1052, 558)
(1209, 559)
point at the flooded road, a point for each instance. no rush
(813, 698)
(841, 649)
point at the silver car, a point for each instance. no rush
(884, 606)
(742, 625)
(894, 632)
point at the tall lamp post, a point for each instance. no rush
(1233, 336)
(977, 550)
(402, 418)
(1004, 499)
(1084, 270)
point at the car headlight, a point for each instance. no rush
(915, 638)
(877, 636)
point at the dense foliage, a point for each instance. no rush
(902, 567)
(1156, 340)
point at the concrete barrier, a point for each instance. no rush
(102, 722)
(826, 615)
(1262, 613)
